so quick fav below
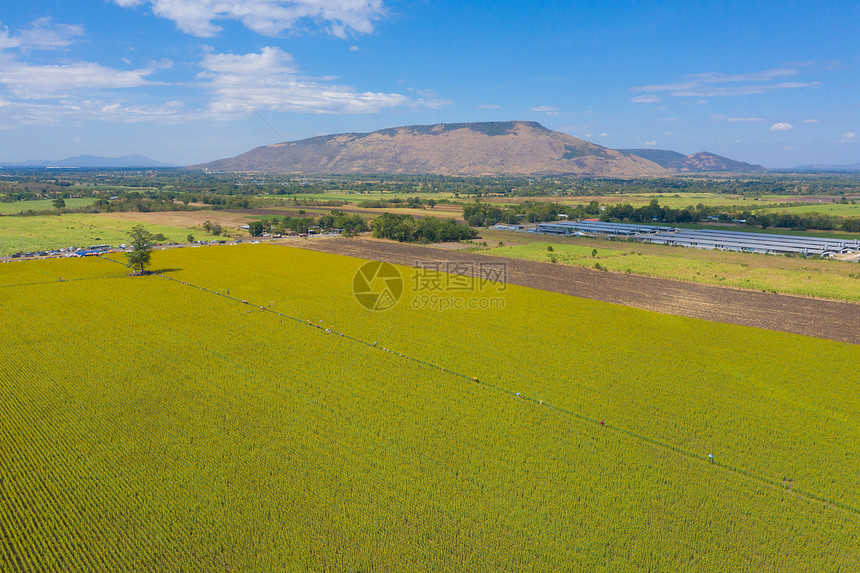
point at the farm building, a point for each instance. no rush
(707, 239)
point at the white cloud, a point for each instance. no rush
(238, 84)
(354, 49)
(754, 89)
(645, 99)
(847, 137)
(781, 126)
(651, 142)
(604, 134)
(665, 87)
(170, 111)
(547, 109)
(270, 80)
(55, 113)
(767, 75)
(269, 17)
(709, 84)
(724, 119)
(37, 82)
(810, 121)
(42, 34)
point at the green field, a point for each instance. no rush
(846, 210)
(354, 197)
(16, 207)
(158, 423)
(772, 273)
(22, 234)
(671, 200)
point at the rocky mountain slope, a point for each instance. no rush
(488, 148)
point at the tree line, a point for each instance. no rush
(796, 221)
(406, 229)
(21, 184)
(336, 220)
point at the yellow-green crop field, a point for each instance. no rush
(242, 412)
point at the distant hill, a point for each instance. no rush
(697, 162)
(662, 157)
(703, 161)
(489, 148)
(93, 161)
(844, 167)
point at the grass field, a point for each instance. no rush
(354, 197)
(22, 234)
(788, 275)
(673, 200)
(370, 213)
(42, 205)
(230, 435)
(845, 210)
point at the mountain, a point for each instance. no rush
(701, 162)
(488, 148)
(93, 161)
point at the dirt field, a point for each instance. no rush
(811, 317)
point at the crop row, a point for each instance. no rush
(777, 404)
(148, 425)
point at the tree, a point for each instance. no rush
(255, 228)
(141, 245)
(59, 203)
(851, 226)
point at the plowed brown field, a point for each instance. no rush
(808, 316)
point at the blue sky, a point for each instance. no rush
(187, 81)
